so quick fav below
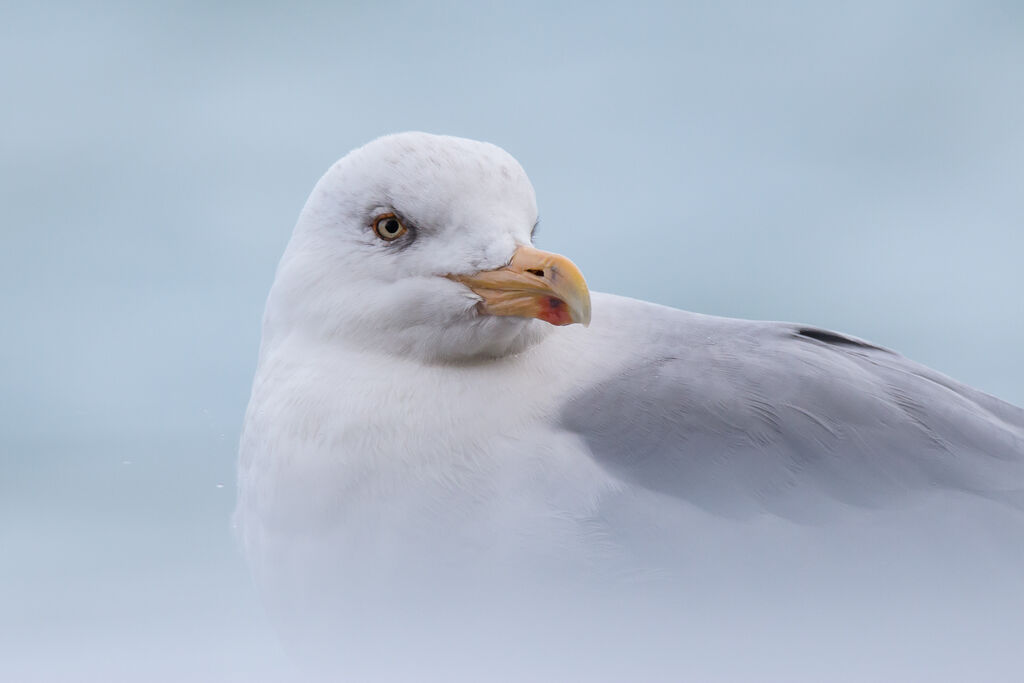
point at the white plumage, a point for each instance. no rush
(420, 457)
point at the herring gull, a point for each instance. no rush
(440, 408)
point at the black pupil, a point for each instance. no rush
(391, 226)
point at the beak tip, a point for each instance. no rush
(581, 311)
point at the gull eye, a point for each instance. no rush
(388, 227)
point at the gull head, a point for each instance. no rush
(421, 245)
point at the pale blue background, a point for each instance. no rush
(858, 166)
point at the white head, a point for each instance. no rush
(419, 244)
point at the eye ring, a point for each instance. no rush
(389, 227)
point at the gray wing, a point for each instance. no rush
(741, 416)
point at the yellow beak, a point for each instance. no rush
(535, 284)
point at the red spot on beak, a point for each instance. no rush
(555, 312)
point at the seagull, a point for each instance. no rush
(442, 414)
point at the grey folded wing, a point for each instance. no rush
(740, 417)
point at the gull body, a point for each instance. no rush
(417, 431)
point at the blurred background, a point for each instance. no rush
(858, 166)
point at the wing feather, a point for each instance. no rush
(738, 417)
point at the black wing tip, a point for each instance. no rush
(836, 339)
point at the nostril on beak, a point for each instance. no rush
(535, 271)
